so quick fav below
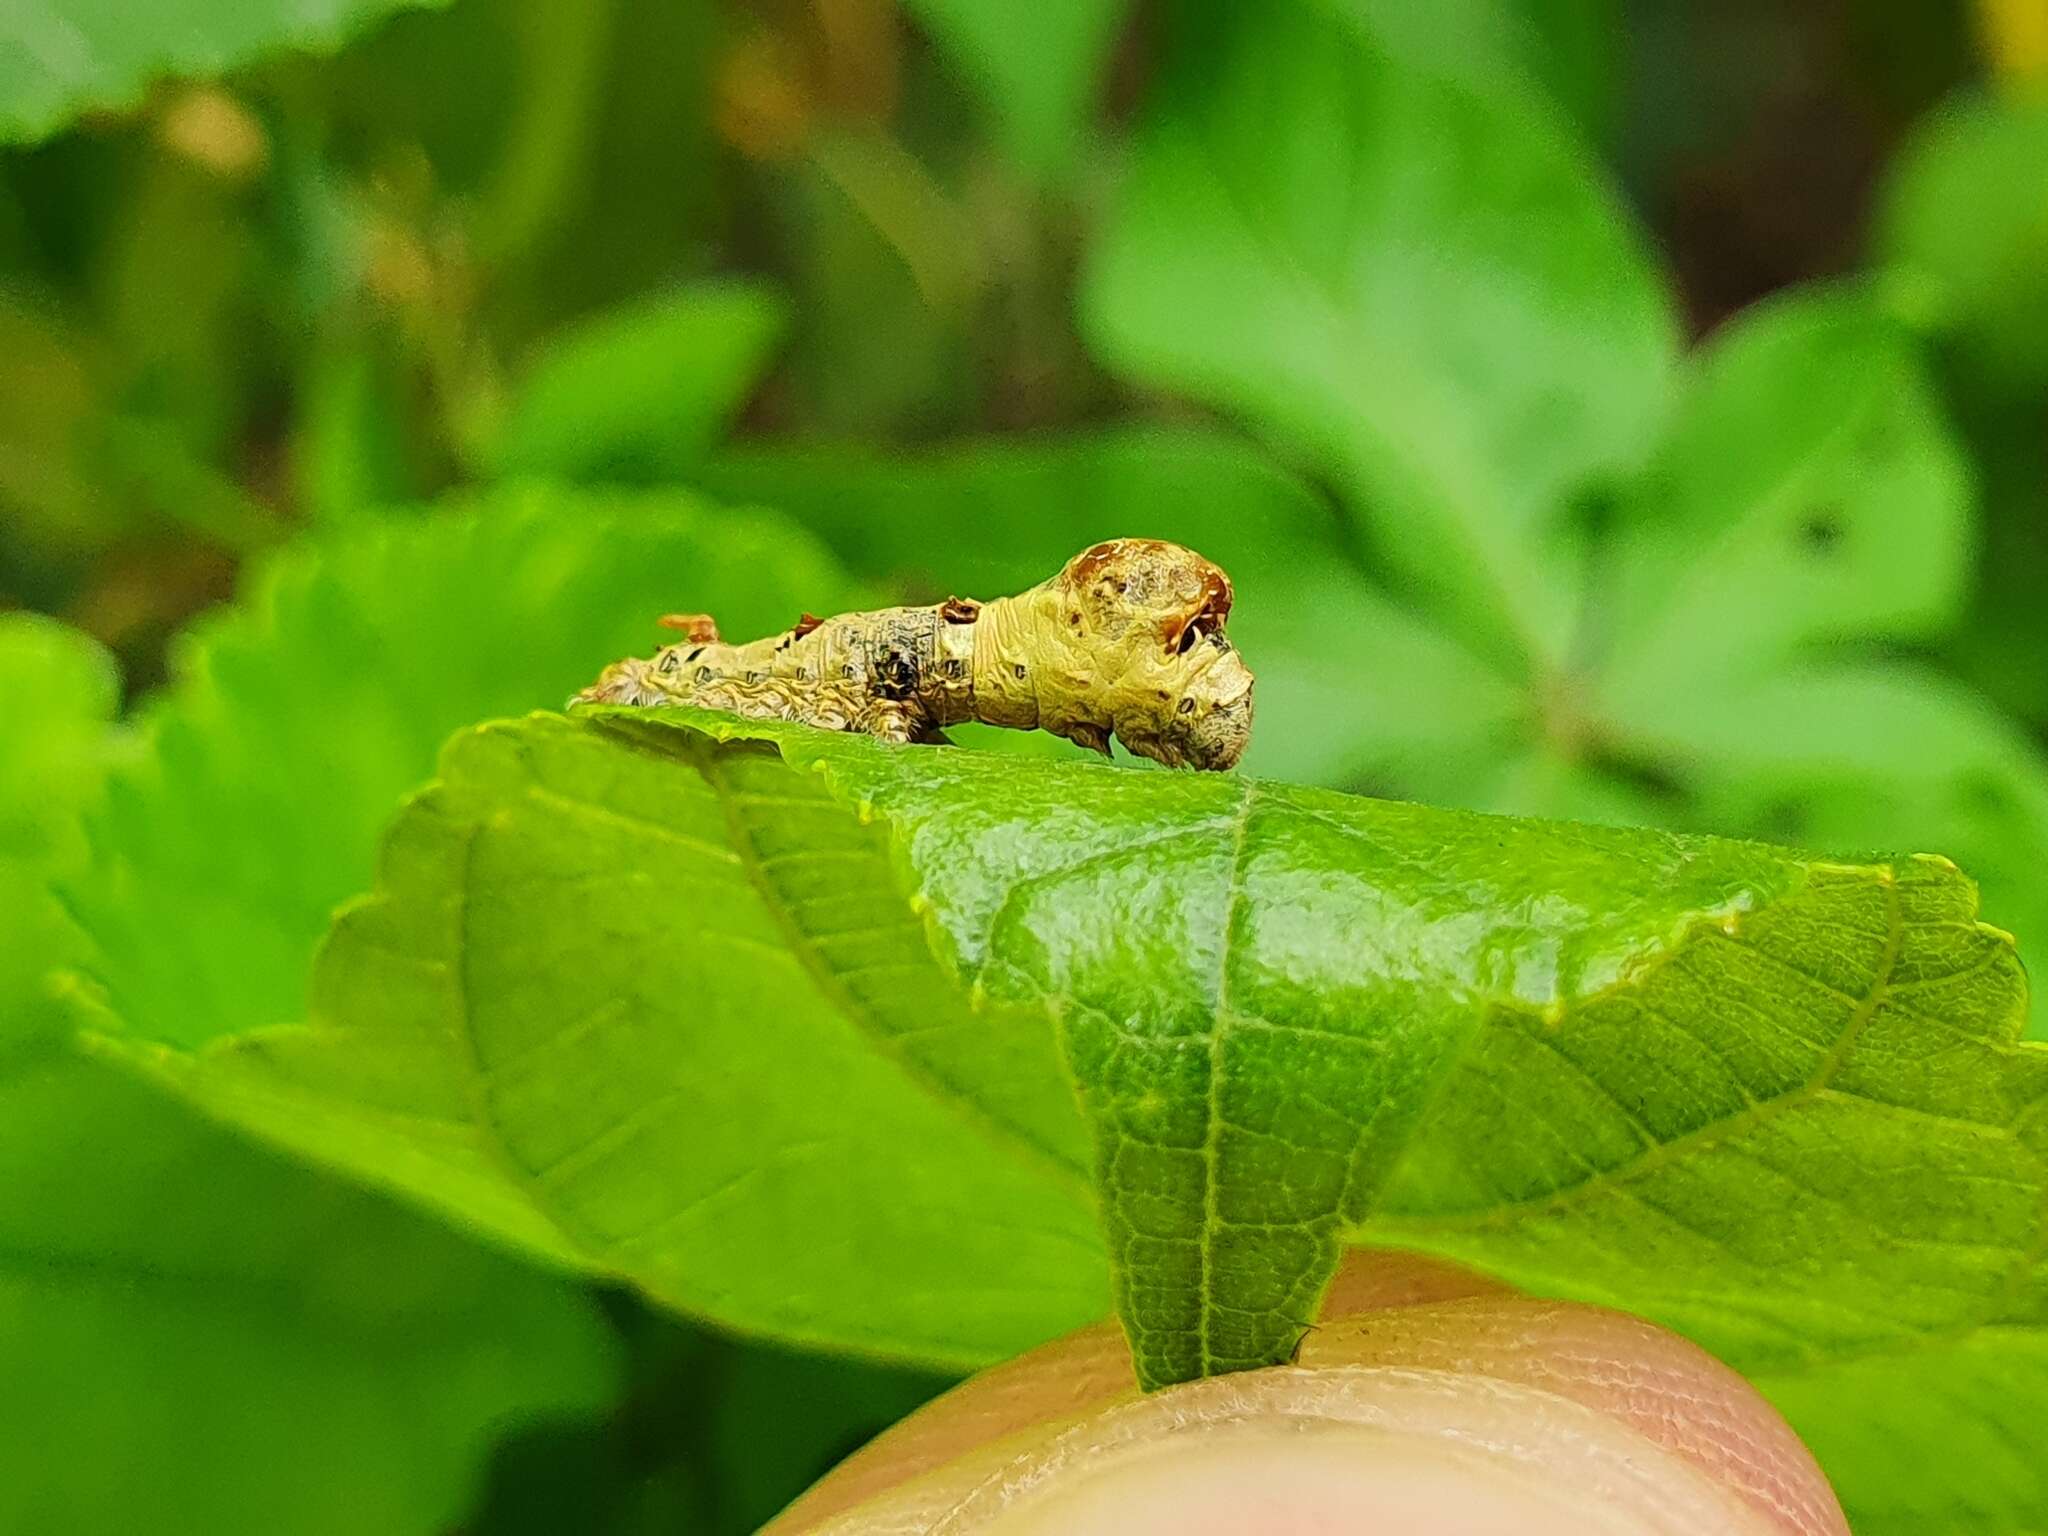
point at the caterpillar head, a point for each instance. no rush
(1162, 674)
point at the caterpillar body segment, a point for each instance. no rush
(1127, 640)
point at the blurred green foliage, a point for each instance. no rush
(186, 1312)
(1368, 300)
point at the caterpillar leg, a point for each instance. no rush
(827, 707)
(1093, 737)
(831, 707)
(888, 720)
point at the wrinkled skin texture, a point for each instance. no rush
(1428, 1401)
(1126, 641)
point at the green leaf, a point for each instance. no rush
(1808, 490)
(1769, 1100)
(1421, 284)
(1539, 55)
(197, 1328)
(233, 1343)
(352, 449)
(1962, 229)
(1808, 495)
(1861, 756)
(257, 811)
(297, 725)
(740, 1035)
(57, 691)
(1971, 1400)
(1351, 686)
(640, 391)
(1040, 67)
(59, 58)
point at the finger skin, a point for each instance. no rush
(1418, 1377)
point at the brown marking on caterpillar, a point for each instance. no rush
(1104, 647)
(1097, 558)
(1190, 596)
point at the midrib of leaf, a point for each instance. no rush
(1213, 1135)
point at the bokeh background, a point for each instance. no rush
(1685, 465)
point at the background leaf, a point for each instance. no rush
(199, 1328)
(640, 392)
(1038, 66)
(59, 689)
(233, 1342)
(1540, 57)
(1388, 308)
(1808, 505)
(275, 763)
(1807, 491)
(712, 1436)
(1963, 227)
(60, 57)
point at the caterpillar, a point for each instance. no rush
(1127, 640)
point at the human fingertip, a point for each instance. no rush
(1426, 1400)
